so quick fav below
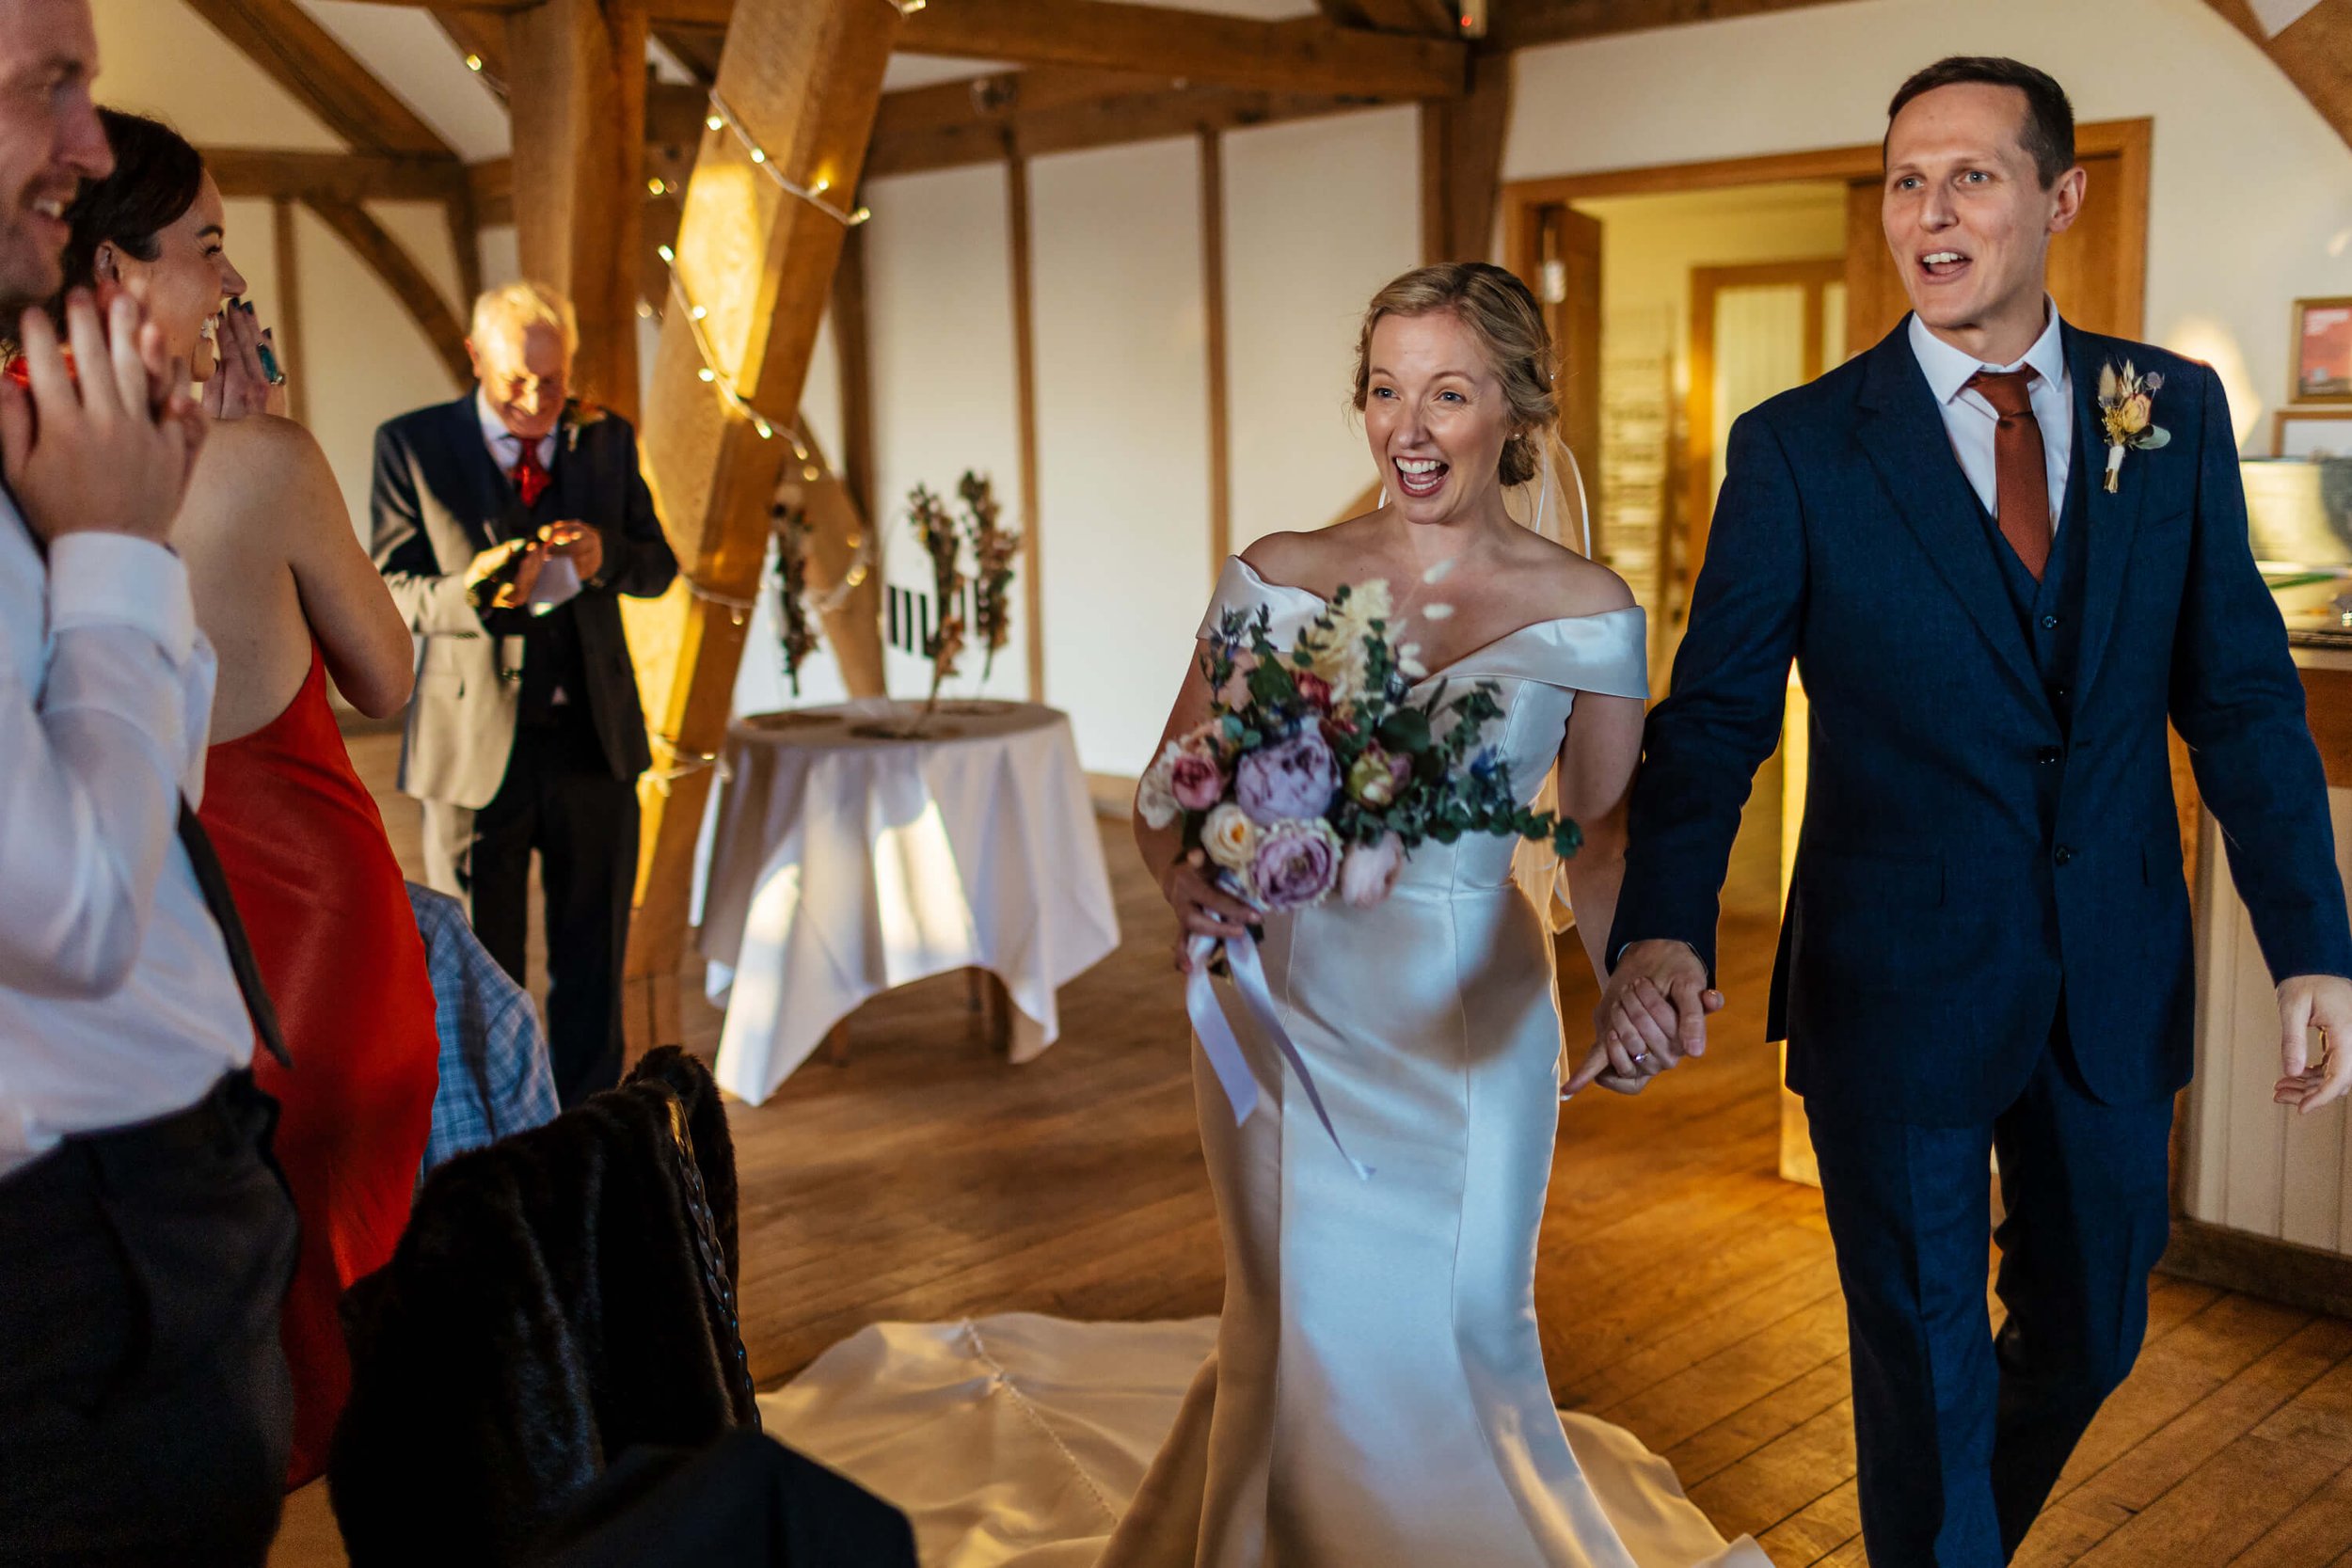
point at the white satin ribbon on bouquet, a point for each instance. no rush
(1209, 1026)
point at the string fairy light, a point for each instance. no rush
(861, 564)
(722, 118)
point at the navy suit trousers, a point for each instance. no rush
(1962, 1432)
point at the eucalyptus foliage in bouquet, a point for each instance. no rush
(1318, 769)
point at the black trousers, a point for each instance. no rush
(145, 1408)
(560, 798)
(1961, 1432)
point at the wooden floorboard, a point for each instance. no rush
(1683, 1289)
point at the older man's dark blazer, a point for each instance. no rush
(440, 500)
(1969, 856)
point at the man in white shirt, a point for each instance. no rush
(146, 1239)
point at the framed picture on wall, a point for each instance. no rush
(2312, 433)
(2323, 351)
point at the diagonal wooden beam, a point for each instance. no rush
(804, 77)
(2315, 51)
(409, 283)
(1428, 17)
(307, 60)
(480, 39)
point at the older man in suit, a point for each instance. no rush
(508, 524)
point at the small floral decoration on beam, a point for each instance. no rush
(2127, 405)
(994, 546)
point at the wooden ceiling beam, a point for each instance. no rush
(1305, 56)
(2315, 51)
(1426, 18)
(324, 77)
(1060, 109)
(265, 172)
(1517, 23)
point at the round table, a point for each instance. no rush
(844, 863)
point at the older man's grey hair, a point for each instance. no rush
(503, 314)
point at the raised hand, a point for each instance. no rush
(2308, 1001)
(240, 384)
(106, 446)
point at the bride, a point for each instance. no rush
(1376, 1396)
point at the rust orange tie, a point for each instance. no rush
(2021, 476)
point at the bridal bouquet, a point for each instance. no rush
(1317, 770)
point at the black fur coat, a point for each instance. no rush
(546, 1310)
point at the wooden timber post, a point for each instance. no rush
(804, 80)
(577, 92)
(1461, 164)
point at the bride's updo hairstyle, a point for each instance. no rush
(1504, 318)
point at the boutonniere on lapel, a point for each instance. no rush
(2128, 403)
(579, 414)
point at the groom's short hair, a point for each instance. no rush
(2049, 130)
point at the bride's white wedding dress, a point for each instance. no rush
(1376, 1396)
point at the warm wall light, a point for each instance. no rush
(473, 62)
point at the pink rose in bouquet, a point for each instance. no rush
(1197, 775)
(1297, 863)
(1290, 778)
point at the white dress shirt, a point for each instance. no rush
(1969, 420)
(117, 1001)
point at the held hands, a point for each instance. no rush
(241, 385)
(1203, 908)
(1652, 1014)
(108, 445)
(2308, 1001)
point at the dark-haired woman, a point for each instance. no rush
(287, 599)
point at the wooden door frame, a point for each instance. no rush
(2131, 141)
(1698, 438)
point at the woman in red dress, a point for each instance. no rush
(287, 598)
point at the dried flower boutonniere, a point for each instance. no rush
(2126, 403)
(579, 414)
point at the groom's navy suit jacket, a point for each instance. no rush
(1989, 830)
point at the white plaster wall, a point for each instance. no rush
(1122, 438)
(159, 57)
(1318, 214)
(2251, 199)
(939, 337)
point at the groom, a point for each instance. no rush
(1986, 949)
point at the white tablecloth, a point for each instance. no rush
(842, 866)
